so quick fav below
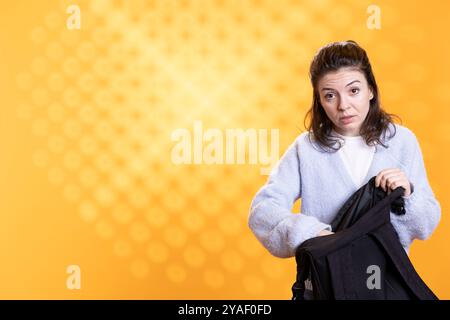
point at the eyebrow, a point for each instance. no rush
(346, 85)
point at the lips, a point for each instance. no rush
(346, 119)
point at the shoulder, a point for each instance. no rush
(297, 146)
(306, 148)
(303, 141)
(403, 146)
(302, 138)
(404, 132)
(402, 137)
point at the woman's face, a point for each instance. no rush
(345, 97)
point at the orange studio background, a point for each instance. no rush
(87, 117)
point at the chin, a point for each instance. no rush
(350, 128)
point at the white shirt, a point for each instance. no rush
(357, 157)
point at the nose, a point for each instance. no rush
(342, 105)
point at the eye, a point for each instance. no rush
(355, 90)
(329, 96)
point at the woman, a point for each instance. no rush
(349, 140)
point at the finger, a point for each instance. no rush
(379, 178)
(388, 178)
(380, 175)
(401, 182)
(392, 185)
(389, 170)
(383, 181)
(392, 182)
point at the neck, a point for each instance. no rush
(346, 134)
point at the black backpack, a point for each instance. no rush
(363, 259)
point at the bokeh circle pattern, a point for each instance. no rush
(105, 100)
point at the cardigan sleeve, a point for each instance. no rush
(423, 211)
(278, 229)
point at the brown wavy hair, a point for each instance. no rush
(331, 58)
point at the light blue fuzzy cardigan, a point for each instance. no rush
(323, 184)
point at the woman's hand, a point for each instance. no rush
(324, 232)
(390, 179)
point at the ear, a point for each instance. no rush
(371, 94)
